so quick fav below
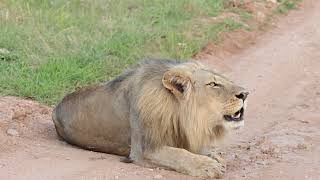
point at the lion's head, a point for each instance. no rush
(191, 107)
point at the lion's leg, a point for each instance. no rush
(177, 159)
(136, 138)
(186, 162)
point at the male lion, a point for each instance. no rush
(160, 113)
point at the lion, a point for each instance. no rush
(160, 113)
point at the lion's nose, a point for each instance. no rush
(242, 95)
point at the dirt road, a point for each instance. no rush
(281, 138)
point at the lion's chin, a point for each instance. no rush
(233, 125)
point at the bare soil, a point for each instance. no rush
(281, 138)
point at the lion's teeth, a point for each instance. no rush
(236, 116)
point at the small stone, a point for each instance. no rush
(116, 177)
(302, 146)
(304, 121)
(19, 115)
(273, 1)
(260, 163)
(158, 176)
(4, 51)
(12, 132)
(260, 16)
(235, 156)
(276, 150)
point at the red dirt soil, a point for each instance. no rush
(281, 138)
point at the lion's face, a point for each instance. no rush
(217, 99)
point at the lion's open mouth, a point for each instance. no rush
(237, 116)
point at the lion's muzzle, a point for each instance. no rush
(235, 110)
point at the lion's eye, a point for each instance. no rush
(213, 84)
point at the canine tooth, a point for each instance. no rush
(236, 116)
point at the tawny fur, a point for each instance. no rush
(172, 104)
(173, 123)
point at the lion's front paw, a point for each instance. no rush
(216, 156)
(207, 167)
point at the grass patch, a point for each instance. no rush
(50, 48)
(287, 5)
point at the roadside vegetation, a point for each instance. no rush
(49, 48)
(287, 5)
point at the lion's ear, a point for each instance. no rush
(178, 83)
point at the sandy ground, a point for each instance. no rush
(281, 139)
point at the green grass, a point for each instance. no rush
(287, 5)
(56, 46)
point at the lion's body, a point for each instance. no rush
(93, 123)
(145, 110)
